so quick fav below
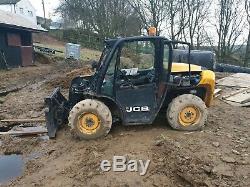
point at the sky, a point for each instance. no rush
(50, 5)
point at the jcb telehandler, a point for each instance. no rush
(134, 80)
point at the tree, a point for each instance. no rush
(197, 12)
(107, 18)
(151, 12)
(229, 27)
(186, 20)
(247, 55)
(175, 21)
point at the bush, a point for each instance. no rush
(85, 38)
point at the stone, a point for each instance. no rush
(224, 170)
(228, 159)
(207, 169)
(243, 139)
(235, 152)
(2, 100)
(159, 142)
(216, 144)
(177, 144)
(161, 160)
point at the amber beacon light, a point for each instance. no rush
(152, 31)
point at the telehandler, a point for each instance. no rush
(134, 80)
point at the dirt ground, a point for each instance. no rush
(216, 156)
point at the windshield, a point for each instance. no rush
(105, 53)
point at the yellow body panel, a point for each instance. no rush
(182, 67)
(208, 82)
(207, 79)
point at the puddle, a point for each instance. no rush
(11, 166)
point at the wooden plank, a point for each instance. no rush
(236, 80)
(236, 92)
(237, 104)
(23, 120)
(216, 91)
(21, 131)
(217, 95)
(10, 90)
(14, 39)
(243, 97)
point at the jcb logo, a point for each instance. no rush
(138, 109)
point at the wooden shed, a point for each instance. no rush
(16, 44)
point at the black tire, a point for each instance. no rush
(189, 107)
(91, 108)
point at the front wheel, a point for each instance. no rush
(187, 112)
(90, 119)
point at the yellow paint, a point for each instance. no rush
(208, 82)
(88, 123)
(182, 67)
(207, 79)
(189, 116)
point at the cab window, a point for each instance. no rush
(166, 58)
(108, 81)
(137, 59)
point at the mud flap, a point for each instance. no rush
(56, 112)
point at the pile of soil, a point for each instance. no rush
(42, 58)
(64, 81)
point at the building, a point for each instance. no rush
(42, 21)
(23, 8)
(16, 44)
(56, 25)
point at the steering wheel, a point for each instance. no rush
(127, 82)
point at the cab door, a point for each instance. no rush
(137, 81)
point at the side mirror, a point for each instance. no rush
(94, 64)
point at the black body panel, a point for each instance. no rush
(56, 112)
(138, 103)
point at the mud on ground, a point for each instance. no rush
(216, 156)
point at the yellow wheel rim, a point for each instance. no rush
(189, 116)
(88, 123)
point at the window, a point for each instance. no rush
(166, 57)
(136, 66)
(21, 10)
(30, 13)
(137, 55)
(108, 82)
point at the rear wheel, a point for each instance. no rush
(90, 119)
(187, 112)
